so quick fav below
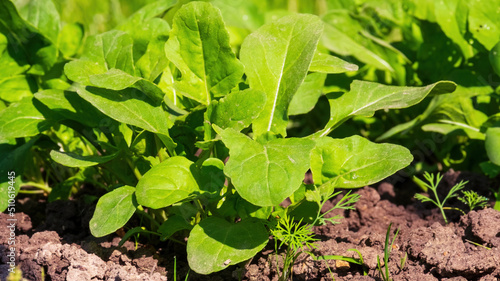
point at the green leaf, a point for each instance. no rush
(308, 94)
(12, 64)
(13, 160)
(29, 43)
(325, 63)
(492, 143)
(15, 88)
(70, 39)
(456, 106)
(43, 15)
(23, 119)
(447, 127)
(212, 176)
(113, 211)
(453, 21)
(495, 58)
(71, 106)
(172, 225)
(484, 22)
(343, 36)
(167, 183)
(145, 27)
(109, 50)
(265, 174)
(354, 162)
(128, 106)
(69, 159)
(199, 48)
(365, 98)
(214, 243)
(237, 110)
(277, 57)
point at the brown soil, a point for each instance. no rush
(54, 240)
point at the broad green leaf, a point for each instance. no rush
(172, 225)
(492, 143)
(245, 15)
(70, 39)
(12, 64)
(23, 119)
(325, 63)
(103, 52)
(69, 159)
(277, 57)
(343, 36)
(29, 43)
(495, 58)
(308, 94)
(115, 79)
(365, 98)
(43, 15)
(237, 110)
(354, 162)
(214, 243)
(12, 166)
(265, 174)
(128, 106)
(154, 61)
(452, 18)
(199, 47)
(484, 21)
(113, 211)
(145, 27)
(72, 106)
(15, 88)
(212, 176)
(167, 183)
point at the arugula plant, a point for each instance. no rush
(157, 105)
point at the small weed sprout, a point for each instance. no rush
(473, 200)
(296, 237)
(432, 185)
(299, 237)
(386, 276)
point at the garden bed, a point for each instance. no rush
(54, 238)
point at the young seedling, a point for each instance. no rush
(297, 237)
(300, 237)
(359, 261)
(386, 276)
(473, 200)
(432, 185)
